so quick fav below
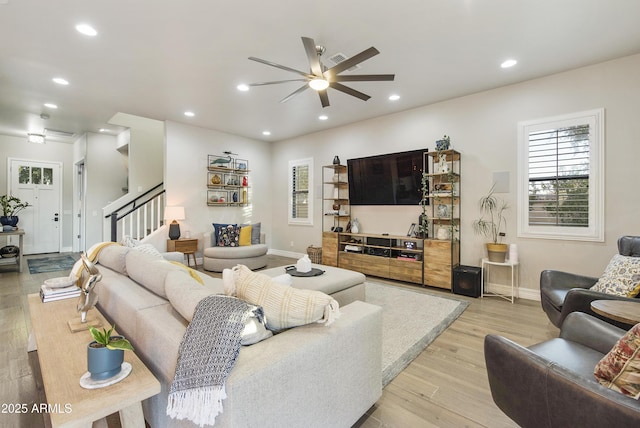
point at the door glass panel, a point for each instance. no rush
(24, 174)
(47, 176)
(36, 175)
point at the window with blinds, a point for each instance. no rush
(560, 177)
(300, 195)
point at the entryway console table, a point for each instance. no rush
(19, 260)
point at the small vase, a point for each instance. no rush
(355, 226)
(336, 160)
(9, 220)
(103, 362)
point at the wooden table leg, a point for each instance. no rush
(132, 417)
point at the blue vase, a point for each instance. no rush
(11, 220)
(103, 362)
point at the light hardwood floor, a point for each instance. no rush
(445, 386)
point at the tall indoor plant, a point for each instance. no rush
(491, 224)
(11, 206)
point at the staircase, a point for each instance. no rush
(139, 217)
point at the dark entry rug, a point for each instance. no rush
(50, 264)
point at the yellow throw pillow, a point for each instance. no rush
(245, 236)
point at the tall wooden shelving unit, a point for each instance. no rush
(442, 248)
(335, 194)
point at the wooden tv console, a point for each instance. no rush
(420, 261)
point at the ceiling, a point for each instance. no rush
(158, 59)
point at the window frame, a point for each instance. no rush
(307, 221)
(595, 230)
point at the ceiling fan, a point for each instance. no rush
(320, 77)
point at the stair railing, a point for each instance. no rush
(139, 217)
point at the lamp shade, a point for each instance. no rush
(174, 213)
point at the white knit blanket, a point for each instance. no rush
(207, 355)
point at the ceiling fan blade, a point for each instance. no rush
(350, 62)
(364, 78)
(276, 82)
(294, 93)
(324, 98)
(312, 55)
(340, 87)
(282, 67)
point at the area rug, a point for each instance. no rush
(410, 322)
(50, 264)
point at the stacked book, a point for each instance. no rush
(49, 294)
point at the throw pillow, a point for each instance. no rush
(217, 227)
(148, 249)
(255, 233)
(245, 236)
(284, 306)
(620, 368)
(621, 277)
(128, 241)
(229, 236)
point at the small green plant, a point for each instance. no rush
(423, 226)
(492, 219)
(12, 205)
(104, 338)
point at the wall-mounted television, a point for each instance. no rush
(390, 179)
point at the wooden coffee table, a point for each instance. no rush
(63, 360)
(618, 310)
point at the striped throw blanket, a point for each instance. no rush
(207, 355)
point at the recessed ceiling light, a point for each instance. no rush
(36, 138)
(60, 81)
(266, 132)
(103, 130)
(508, 63)
(323, 117)
(394, 97)
(86, 29)
(189, 113)
(243, 87)
(50, 105)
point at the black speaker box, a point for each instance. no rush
(466, 280)
(381, 242)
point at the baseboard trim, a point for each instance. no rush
(522, 293)
(283, 253)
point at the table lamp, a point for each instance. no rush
(174, 213)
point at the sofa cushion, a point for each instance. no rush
(148, 249)
(148, 271)
(114, 257)
(620, 368)
(229, 236)
(284, 306)
(216, 231)
(621, 277)
(184, 294)
(255, 231)
(245, 236)
(236, 252)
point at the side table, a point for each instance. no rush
(20, 234)
(515, 283)
(618, 310)
(187, 246)
(63, 361)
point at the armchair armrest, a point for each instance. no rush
(589, 331)
(554, 279)
(579, 300)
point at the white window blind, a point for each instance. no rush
(300, 195)
(561, 176)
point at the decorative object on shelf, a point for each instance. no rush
(443, 144)
(443, 164)
(336, 160)
(355, 226)
(221, 162)
(335, 178)
(215, 179)
(336, 208)
(412, 230)
(9, 251)
(235, 197)
(105, 354)
(11, 206)
(422, 230)
(174, 213)
(443, 210)
(443, 233)
(245, 181)
(491, 223)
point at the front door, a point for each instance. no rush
(38, 183)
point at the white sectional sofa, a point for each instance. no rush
(308, 376)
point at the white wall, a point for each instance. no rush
(15, 147)
(185, 178)
(483, 127)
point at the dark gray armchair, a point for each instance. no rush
(562, 293)
(551, 384)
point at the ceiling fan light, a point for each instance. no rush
(319, 84)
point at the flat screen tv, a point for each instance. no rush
(391, 179)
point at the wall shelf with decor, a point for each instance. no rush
(442, 248)
(227, 181)
(336, 213)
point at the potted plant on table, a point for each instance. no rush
(106, 353)
(11, 206)
(491, 223)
